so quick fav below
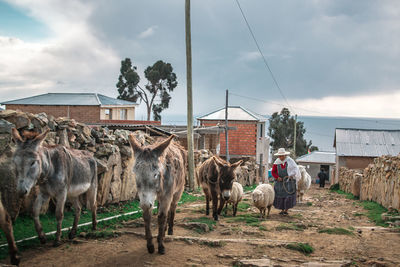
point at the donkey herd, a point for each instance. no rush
(160, 171)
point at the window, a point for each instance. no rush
(108, 114)
(261, 130)
(123, 114)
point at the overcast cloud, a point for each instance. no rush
(329, 57)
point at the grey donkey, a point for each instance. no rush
(60, 172)
(160, 172)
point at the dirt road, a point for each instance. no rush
(235, 239)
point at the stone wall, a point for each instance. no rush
(379, 182)
(111, 150)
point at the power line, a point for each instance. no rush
(262, 55)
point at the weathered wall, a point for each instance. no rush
(85, 114)
(111, 150)
(379, 182)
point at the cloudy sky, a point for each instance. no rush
(330, 58)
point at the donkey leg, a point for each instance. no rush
(235, 209)
(172, 211)
(77, 207)
(91, 196)
(6, 226)
(207, 194)
(37, 205)
(147, 227)
(214, 196)
(162, 219)
(59, 216)
(221, 204)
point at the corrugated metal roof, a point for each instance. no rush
(318, 157)
(70, 99)
(235, 113)
(367, 143)
(105, 100)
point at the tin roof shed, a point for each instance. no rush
(366, 142)
(318, 157)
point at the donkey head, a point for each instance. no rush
(227, 176)
(27, 160)
(149, 170)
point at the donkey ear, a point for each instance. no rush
(159, 149)
(134, 144)
(237, 164)
(39, 139)
(218, 161)
(17, 137)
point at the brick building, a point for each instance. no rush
(89, 108)
(357, 148)
(247, 139)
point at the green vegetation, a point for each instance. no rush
(304, 248)
(206, 220)
(309, 204)
(249, 188)
(290, 226)
(374, 213)
(374, 209)
(24, 226)
(250, 219)
(262, 228)
(336, 231)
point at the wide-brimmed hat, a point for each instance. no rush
(282, 152)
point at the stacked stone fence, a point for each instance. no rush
(379, 182)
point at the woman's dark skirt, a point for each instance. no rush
(285, 194)
(284, 203)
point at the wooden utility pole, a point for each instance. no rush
(226, 127)
(189, 96)
(295, 135)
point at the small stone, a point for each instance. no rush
(359, 231)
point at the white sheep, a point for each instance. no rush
(263, 197)
(303, 184)
(236, 197)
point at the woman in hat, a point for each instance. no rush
(286, 174)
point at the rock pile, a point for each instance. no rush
(379, 182)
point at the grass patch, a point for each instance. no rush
(250, 219)
(304, 248)
(242, 206)
(292, 227)
(309, 204)
(262, 228)
(375, 211)
(24, 226)
(336, 231)
(249, 187)
(206, 220)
